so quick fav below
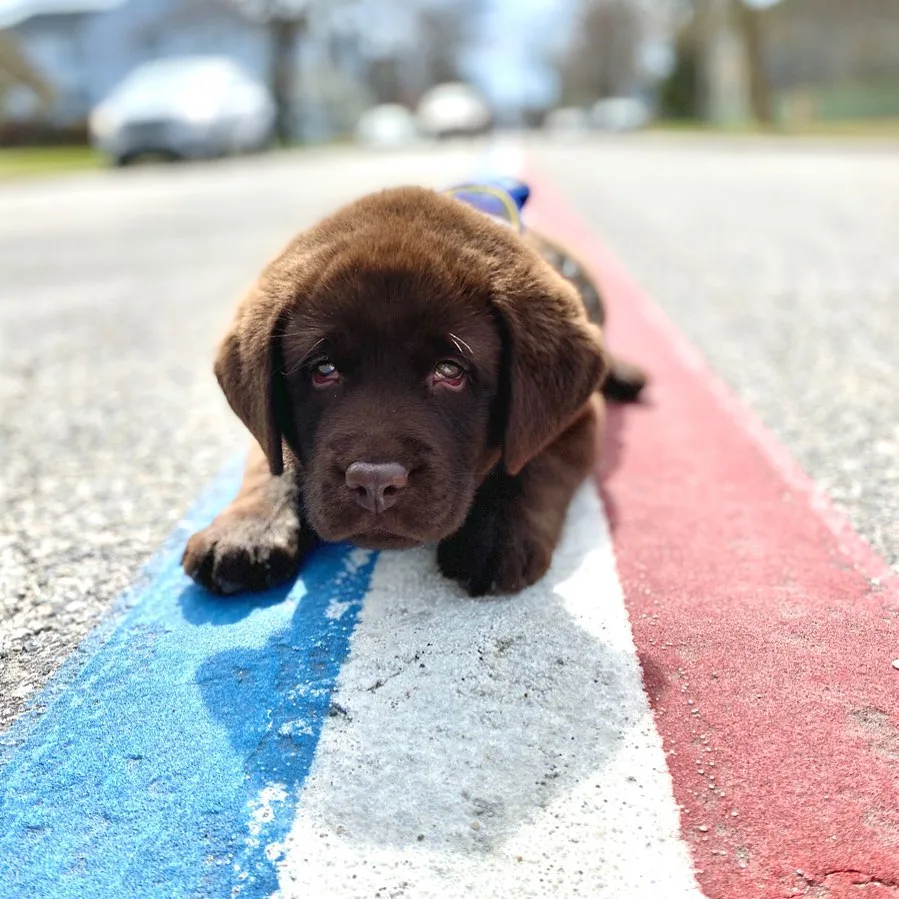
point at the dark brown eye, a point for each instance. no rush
(449, 373)
(325, 372)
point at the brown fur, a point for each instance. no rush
(387, 289)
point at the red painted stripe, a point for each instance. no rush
(765, 626)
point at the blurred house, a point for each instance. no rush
(833, 59)
(807, 60)
(82, 49)
(46, 38)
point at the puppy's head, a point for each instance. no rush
(398, 351)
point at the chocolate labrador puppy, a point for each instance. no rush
(413, 371)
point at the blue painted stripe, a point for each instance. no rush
(170, 762)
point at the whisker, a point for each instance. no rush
(305, 356)
(461, 346)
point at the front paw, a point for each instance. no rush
(490, 554)
(239, 552)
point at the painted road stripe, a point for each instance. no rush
(499, 748)
(513, 736)
(173, 758)
(764, 625)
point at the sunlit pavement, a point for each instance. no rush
(451, 747)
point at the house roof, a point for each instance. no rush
(12, 12)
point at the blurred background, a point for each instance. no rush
(191, 78)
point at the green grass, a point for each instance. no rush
(856, 128)
(23, 162)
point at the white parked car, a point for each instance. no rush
(184, 107)
(567, 121)
(387, 126)
(620, 114)
(453, 109)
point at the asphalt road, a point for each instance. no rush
(778, 261)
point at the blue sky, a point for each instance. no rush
(507, 62)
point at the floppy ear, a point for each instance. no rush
(555, 361)
(249, 371)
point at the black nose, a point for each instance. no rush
(376, 485)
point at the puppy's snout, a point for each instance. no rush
(376, 485)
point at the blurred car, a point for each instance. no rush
(620, 114)
(567, 121)
(453, 109)
(184, 107)
(387, 126)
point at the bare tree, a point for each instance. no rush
(286, 21)
(16, 69)
(446, 30)
(727, 40)
(602, 61)
(385, 80)
(752, 26)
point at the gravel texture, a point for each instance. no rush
(115, 288)
(779, 259)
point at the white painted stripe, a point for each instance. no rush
(491, 748)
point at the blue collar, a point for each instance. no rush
(502, 199)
